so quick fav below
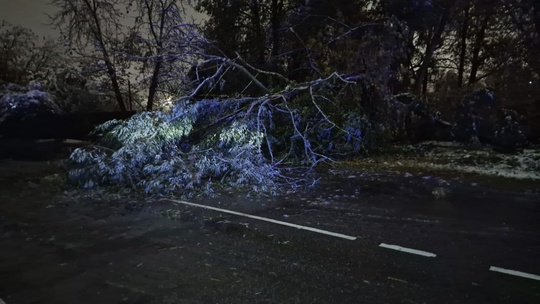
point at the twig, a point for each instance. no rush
(263, 71)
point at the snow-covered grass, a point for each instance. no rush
(452, 157)
(444, 157)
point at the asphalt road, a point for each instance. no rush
(62, 250)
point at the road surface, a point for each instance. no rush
(456, 236)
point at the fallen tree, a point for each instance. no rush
(249, 142)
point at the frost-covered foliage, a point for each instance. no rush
(157, 153)
(240, 142)
(18, 102)
(328, 139)
(320, 121)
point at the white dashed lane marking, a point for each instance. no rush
(347, 237)
(408, 250)
(334, 234)
(515, 273)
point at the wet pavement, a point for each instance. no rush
(57, 249)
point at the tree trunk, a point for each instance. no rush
(116, 86)
(258, 32)
(153, 85)
(476, 61)
(277, 8)
(536, 44)
(425, 86)
(130, 97)
(111, 71)
(463, 46)
(425, 77)
(434, 42)
(158, 40)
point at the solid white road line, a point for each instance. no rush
(515, 273)
(409, 250)
(339, 235)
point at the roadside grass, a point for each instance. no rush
(449, 159)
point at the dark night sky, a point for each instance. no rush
(32, 14)
(28, 13)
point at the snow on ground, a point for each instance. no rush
(525, 165)
(447, 157)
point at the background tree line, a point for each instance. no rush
(141, 51)
(416, 45)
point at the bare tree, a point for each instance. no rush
(164, 43)
(93, 25)
(24, 56)
(434, 41)
(463, 34)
